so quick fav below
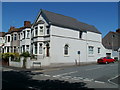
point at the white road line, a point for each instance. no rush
(109, 80)
(99, 82)
(47, 75)
(87, 79)
(59, 75)
(93, 68)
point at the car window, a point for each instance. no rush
(109, 58)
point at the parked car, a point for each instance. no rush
(105, 60)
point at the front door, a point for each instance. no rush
(47, 51)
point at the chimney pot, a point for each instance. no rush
(27, 23)
(118, 30)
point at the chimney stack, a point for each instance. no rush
(12, 28)
(118, 30)
(27, 23)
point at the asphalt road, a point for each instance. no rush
(72, 78)
(106, 74)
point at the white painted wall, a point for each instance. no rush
(26, 41)
(8, 43)
(59, 37)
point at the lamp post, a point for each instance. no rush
(79, 56)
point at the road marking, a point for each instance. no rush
(99, 82)
(109, 80)
(93, 68)
(47, 75)
(59, 75)
(87, 79)
(7, 69)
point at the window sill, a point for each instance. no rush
(66, 55)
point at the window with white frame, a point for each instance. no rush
(36, 31)
(27, 48)
(90, 49)
(80, 34)
(99, 50)
(14, 49)
(15, 36)
(66, 47)
(35, 48)
(5, 38)
(48, 29)
(8, 38)
(0, 40)
(40, 48)
(28, 34)
(21, 36)
(41, 30)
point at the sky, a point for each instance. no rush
(103, 15)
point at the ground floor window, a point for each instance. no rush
(40, 48)
(14, 48)
(35, 48)
(90, 49)
(7, 49)
(27, 48)
(23, 48)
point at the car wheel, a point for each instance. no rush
(106, 62)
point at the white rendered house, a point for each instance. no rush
(25, 37)
(2, 41)
(57, 38)
(7, 45)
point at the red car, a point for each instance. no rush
(105, 60)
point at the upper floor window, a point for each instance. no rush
(5, 38)
(66, 49)
(19, 36)
(28, 34)
(0, 40)
(41, 28)
(80, 34)
(15, 36)
(48, 31)
(11, 37)
(23, 34)
(91, 49)
(8, 38)
(36, 31)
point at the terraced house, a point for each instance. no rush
(2, 41)
(55, 38)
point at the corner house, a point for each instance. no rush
(56, 39)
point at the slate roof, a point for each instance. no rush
(17, 29)
(67, 22)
